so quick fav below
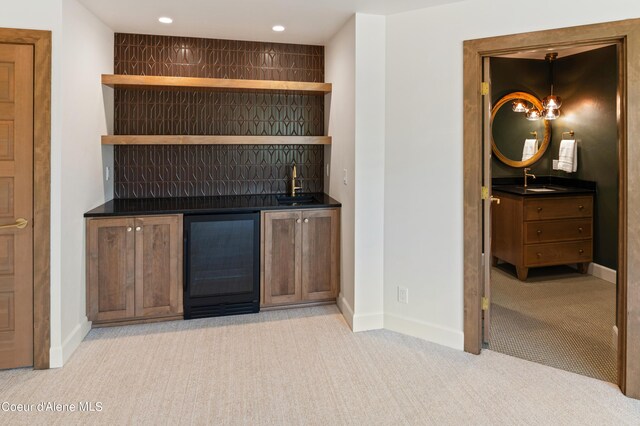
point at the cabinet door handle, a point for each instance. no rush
(297, 220)
(580, 229)
(129, 229)
(580, 251)
(539, 232)
(539, 209)
(306, 221)
(138, 228)
(539, 254)
(580, 207)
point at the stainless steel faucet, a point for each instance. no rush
(294, 176)
(526, 169)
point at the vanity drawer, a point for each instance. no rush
(558, 253)
(548, 231)
(557, 208)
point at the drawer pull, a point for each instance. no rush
(539, 232)
(580, 207)
(539, 209)
(306, 221)
(138, 228)
(580, 229)
(129, 229)
(297, 220)
(580, 251)
(539, 254)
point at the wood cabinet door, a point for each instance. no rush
(110, 269)
(281, 257)
(158, 268)
(320, 254)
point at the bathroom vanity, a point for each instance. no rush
(542, 225)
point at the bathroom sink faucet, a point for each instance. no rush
(294, 176)
(526, 175)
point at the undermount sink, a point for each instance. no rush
(545, 188)
(296, 199)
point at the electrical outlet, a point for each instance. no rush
(344, 176)
(403, 294)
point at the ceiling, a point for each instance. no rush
(306, 21)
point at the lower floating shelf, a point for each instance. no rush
(213, 140)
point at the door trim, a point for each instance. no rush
(627, 34)
(41, 42)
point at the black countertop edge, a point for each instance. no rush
(564, 186)
(204, 205)
(546, 180)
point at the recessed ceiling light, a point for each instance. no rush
(278, 28)
(165, 20)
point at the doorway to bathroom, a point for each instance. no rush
(625, 36)
(552, 168)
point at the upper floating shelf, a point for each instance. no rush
(117, 80)
(213, 140)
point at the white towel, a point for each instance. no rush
(568, 157)
(530, 148)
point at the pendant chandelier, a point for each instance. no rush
(552, 103)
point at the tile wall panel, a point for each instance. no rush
(173, 171)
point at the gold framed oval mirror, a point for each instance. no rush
(509, 130)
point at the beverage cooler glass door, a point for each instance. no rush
(222, 255)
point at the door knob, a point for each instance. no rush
(20, 224)
(495, 199)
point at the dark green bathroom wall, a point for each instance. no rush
(587, 83)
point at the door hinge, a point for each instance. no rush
(484, 88)
(485, 304)
(485, 192)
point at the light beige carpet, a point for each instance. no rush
(558, 317)
(301, 367)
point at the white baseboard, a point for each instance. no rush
(602, 272)
(346, 309)
(59, 355)
(368, 322)
(423, 330)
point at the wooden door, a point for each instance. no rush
(281, 257)
(320, 254)
(110, 269)
(158, 266)
(16, 205)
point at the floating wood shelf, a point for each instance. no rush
(142, 81)
(213, 140)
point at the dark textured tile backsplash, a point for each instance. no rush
(178, 171)
(139, 54)
(180, 112)
(149, 171)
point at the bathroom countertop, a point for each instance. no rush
(204, 205)
(560, 186)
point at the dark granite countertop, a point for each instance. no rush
(543, 186)
(205, 205)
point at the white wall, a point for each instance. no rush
(369, 171)
(423, 156)
(340, 70)
(87, 52)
